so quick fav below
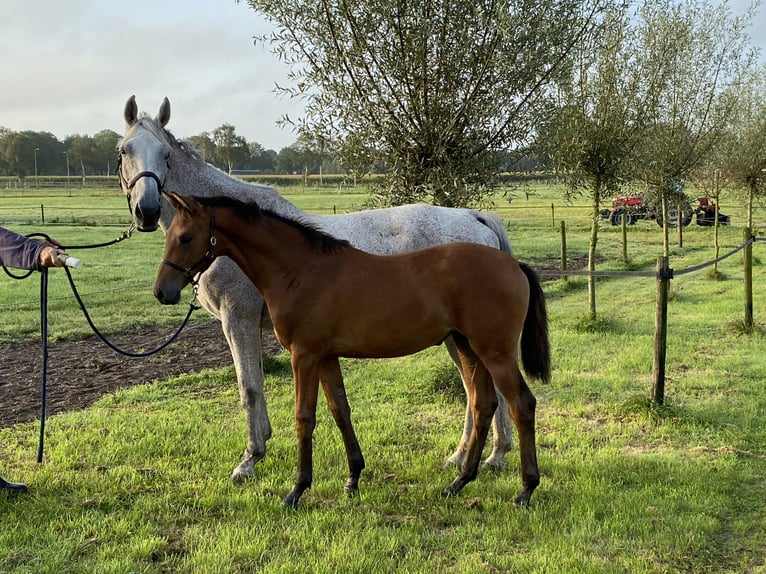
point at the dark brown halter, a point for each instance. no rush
(197, 267)
(129, 185)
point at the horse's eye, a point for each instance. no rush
(186, 239)
(123, 151)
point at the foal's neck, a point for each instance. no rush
(270, 252)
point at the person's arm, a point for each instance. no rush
(22, 252)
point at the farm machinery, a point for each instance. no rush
(634, 207)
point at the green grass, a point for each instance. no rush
(140, 481)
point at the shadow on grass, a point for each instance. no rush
(278, 365)
(598, 325)
(444, 380)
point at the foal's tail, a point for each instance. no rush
(535, 347)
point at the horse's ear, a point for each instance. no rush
(164, 115)
(131, 111)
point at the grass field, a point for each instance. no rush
(140, 481)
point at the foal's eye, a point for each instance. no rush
(186, 239)
(123, 151)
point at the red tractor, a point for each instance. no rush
(631, 205)
(634, 207)
(706, 213)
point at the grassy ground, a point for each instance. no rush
(139, 482)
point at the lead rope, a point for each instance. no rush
(44, 336)
(44, 326)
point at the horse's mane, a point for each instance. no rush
(146, 121)
(251, 211)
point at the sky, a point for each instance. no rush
(69, 67)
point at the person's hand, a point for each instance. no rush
(49, 256)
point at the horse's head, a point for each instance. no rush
(144, 163)
(189, 248)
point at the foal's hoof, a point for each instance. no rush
(452, 489)
(351, 489)
(523, 498)
(291, 500)
(13, 487)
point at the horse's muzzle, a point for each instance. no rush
(146, 219)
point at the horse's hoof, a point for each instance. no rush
(494, 462)
(246, 468)
(242, 473)
(455, 460)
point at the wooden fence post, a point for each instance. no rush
(664, 274)
(563, 250)
(748, 272)
(553, 215)
(42, 213)
(624, 224)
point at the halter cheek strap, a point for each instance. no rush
(201, 264)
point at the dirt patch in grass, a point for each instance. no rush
(81, 371)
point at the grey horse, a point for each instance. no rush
(152, 162)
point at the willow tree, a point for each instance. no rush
(431, 89)
(710, 55)
(742, 158)
(603, 110)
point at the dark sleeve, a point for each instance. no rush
(18, 251)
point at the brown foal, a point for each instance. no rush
(329, 300)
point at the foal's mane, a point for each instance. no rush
(252, 212)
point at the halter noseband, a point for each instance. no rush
(191, 271)
(129, 185)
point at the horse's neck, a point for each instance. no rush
(189, 176)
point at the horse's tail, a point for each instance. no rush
(535, 347)
(495, 224)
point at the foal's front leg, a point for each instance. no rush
(306, 374)
(335, 393)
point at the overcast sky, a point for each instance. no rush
(69, 66)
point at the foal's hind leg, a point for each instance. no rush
(501, 423)
(521, 403)
(483, 403)
(335, 392)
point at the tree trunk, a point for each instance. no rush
(592, 251)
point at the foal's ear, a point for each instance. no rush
(181, 203)
(177, 201)
(164, 114)
(131, 111)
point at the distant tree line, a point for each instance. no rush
(28, 153)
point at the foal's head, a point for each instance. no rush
(189, 248)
